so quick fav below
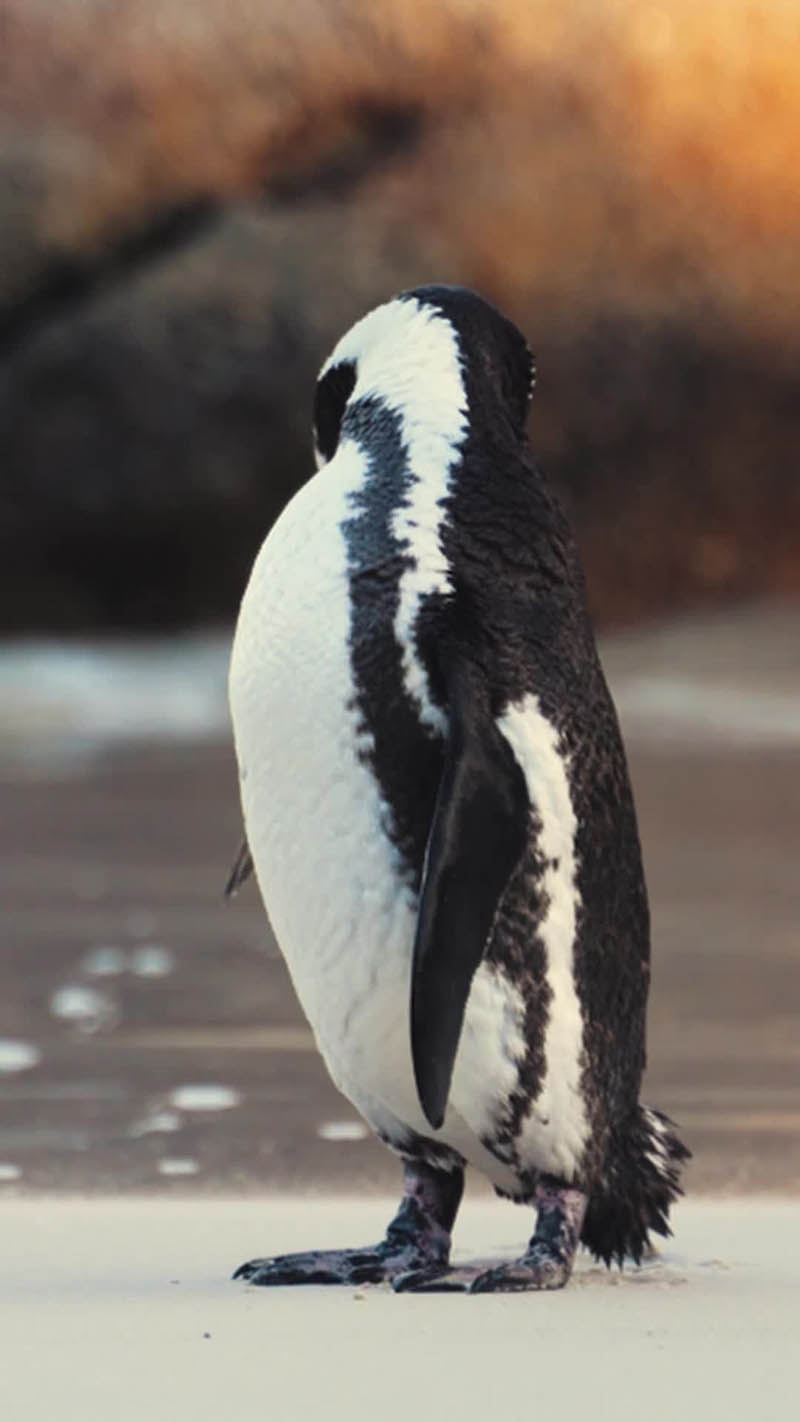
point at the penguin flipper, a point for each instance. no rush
(241, 870)
(477, 837)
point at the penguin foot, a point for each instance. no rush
(540, 1268)
(548, 1260)
(370, 1265)
(417, 1241)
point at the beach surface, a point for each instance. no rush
(124, 1309)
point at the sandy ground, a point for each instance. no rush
(123, 1309)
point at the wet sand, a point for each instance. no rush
(112, 873)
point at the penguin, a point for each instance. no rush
(438, 810)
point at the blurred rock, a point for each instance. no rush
(153, 434)
(196, 199)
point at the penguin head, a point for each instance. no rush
(439, 355)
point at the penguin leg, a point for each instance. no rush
(548, 1260)
(417, 1239)
(546, 1264)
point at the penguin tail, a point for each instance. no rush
(640, 1182)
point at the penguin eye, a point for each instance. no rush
(332, 394)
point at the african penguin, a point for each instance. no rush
(438, 809)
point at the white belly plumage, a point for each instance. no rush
(330, 875)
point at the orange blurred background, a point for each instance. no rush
(197, 198)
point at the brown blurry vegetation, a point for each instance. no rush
(197, 195)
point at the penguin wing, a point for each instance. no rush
(241, 870)
(477, 837)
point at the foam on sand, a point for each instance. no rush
(125, 1309)
(725, 678)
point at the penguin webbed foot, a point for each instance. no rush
(417, 1241)
(541, 1267)
(368, 1265)
(538, 1269)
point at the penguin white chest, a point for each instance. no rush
(330, 876)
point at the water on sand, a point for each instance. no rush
(149, 1037)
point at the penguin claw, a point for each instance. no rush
(246, 1271)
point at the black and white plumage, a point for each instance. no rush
(438, 808)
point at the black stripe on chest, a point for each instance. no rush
(404, 755)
